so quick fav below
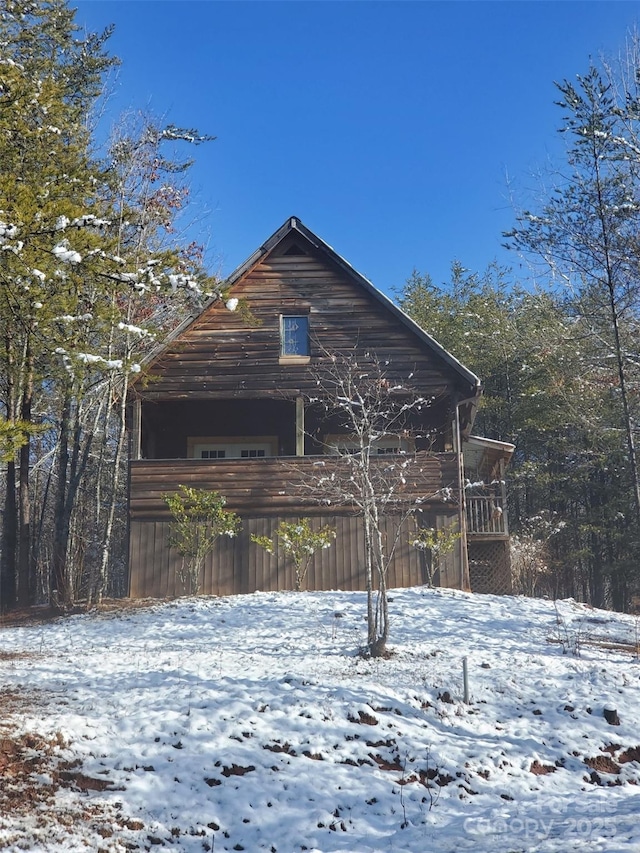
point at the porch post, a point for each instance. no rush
(503, 493)
(462, 509)
(299, 426)
(136, 428)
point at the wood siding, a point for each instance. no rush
(221, 375)
(270, 485)
(262, 492)
(238, 566)
(225, 355)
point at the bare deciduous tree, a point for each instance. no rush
(374, 421)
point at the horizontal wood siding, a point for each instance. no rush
(268, 485)
(225, 354)
(237, 565)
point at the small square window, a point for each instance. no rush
(294, 335)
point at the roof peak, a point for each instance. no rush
(294, 223)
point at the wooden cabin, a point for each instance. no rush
(232, 403)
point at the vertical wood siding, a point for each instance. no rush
(236, 565)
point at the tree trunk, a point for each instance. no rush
(99, 579)
(368, 552)
(382, 605)
(59, 590)
(25, 580)
(9, 542)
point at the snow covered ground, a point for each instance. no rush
(251, 723)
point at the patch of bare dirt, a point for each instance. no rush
(6, 656)
(539, 769)
(363, 717)
(34, 770)
(603, 764)
(631, 754)
(40, 614)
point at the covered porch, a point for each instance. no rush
(485, 501)
(245, 427)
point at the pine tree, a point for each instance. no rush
(545, 391)
(586, 234)
(80, 252)
(48, 81)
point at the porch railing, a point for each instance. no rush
(486, 514)
(274, 484)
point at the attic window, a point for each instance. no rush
(294, 249)
(294, 336)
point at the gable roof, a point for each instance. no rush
(295, 226)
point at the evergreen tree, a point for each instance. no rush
(81, 250)
(585, 234)
(48, 80)
(544, 392)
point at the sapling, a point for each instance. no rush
(299, 542)
(378, 417)
(199, 517)
(438, 542)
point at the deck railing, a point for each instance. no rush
(275, 484)
(486, 514)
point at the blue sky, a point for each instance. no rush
(395, 130)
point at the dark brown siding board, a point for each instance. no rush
(329, 558)
(223, 352)
(208, 578)
(316, 569)
(147, 537)
(405, 557)
(221, 559)
(146, 556)
(170, 562)
(389, 525)
(252, 579)
(349, 530)
(357, 557)
(240, 566)
(214, 565)
(136, 561)
(255, 527)
(245, 545)
(396, 570)
(262, 484)
(149, 542)
(158, 578)
(227, 572)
